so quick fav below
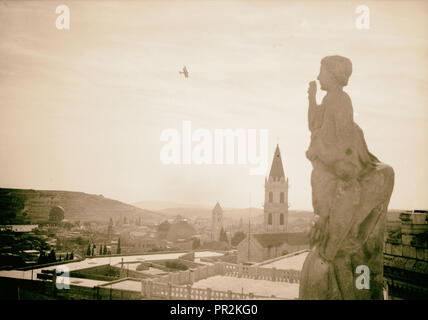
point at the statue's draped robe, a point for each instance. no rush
(350, 192)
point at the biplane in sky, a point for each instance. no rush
(185, 72)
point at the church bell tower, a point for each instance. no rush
(276, 197)
(216, 222)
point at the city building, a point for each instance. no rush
(406, 257)
(274, 241)
(276, 197)
(217, 222)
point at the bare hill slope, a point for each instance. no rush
(19, 205)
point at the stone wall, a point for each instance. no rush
(406, 258)
(229, 269)
(150, 290)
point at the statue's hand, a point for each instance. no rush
(312, 91)
(310, 155)
(318, 230)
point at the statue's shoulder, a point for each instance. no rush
(338, 101)
(336, 97)
(342, 98)
(345, 97)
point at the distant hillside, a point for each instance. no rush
(193, 211)
(18, 205)
(162, 205)
(295, 217)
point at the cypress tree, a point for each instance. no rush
(41, 259)
(52, 256)
(118, 247)
(223, 236)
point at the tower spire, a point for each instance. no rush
(277, 170)
(276, 197)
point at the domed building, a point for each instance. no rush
(56, 215)
(175, 230)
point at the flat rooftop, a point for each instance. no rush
(130, 285)
(293, 261)
(93, 262)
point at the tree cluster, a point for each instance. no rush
(223, 236)
(237, 238)
(47, 258)
(90, 250)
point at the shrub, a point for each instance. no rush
(176, 265)
(143, 266)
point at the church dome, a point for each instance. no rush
(56, 214)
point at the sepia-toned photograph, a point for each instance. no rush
(237, 151)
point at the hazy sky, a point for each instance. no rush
(83, 109)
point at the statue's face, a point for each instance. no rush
(326, 79)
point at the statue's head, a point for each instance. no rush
(335, 72)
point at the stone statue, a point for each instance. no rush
(351, 190)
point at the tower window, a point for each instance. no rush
(270, 196)
(281, 197)
(270, 218)
(281, 219)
